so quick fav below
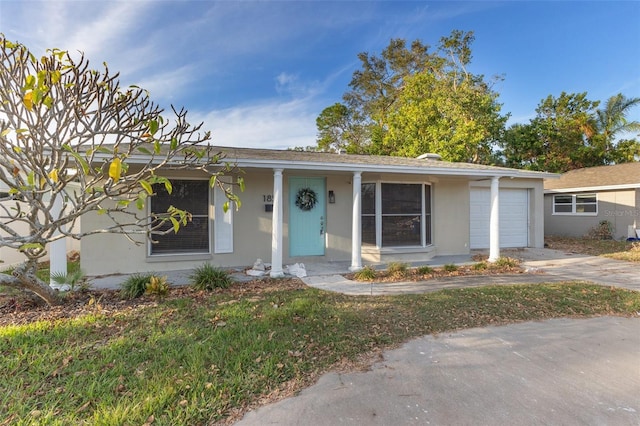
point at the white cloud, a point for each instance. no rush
(164, 85)
(271, 125)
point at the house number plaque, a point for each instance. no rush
(267, 198)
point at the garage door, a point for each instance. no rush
(514, 218)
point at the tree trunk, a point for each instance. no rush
(24, 278)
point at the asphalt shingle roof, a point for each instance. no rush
(365, 161)
(592, 177)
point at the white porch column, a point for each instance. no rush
(276, 226)
(356, 225)
(494, 221)
(57, 249)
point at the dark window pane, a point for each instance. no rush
(400, 198)
(192, 238)
(189, 195)
(587, 198)
(585, 208)
(369, 230)
(368, 198)
(400, 231)
(563, 199)
(563, 208)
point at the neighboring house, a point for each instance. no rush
(309, 206)
(581, 199)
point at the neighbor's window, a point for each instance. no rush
(403, 217)
(578, 204)
(189, 195)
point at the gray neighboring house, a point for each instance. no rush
(582, 198)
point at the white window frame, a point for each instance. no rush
(575, 203)
(424, 216)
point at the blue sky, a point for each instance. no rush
(258, 73)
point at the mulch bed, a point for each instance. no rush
(22, 308)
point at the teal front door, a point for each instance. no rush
(307, 216)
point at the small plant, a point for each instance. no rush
(506, 262)
(209, 277)
(76, 280)
(157, 286)
(480, 266)
(397, 269)
(424, 270)
(450, 267)
(365, 274)
(134, 286)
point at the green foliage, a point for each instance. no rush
(568, 132)
(75, 279)
(337, 130)
(506, 262)
(365, 274)
(450, 267)
(480, 266)
(397, 269)
(209, 277)
(424, 270)
(135, 286)
(157, 286)
(460, 120)
(409, 100)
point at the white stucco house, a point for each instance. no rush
(309, 206)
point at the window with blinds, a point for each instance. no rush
(189, 195)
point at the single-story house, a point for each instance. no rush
(322, 207)
(582, 198)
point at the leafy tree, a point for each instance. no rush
(337, 130)
(68, 138)
(409, 101)
(610, 122)
(568, 132)
(455, 117)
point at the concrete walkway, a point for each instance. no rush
(546, 266)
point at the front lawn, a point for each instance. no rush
(199, 357)
(620, 250)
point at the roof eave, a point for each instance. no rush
(592, 188)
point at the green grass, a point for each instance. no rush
(192, 360)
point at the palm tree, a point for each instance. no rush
(612, 120)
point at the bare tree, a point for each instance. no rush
(72, 141)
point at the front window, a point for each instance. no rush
(402, 218)
(578, 204)
(189, 195)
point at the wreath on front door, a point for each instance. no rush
(306, 199)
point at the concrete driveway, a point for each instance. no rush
(573, 266)
(556, 372)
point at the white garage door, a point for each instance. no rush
(514, 218)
